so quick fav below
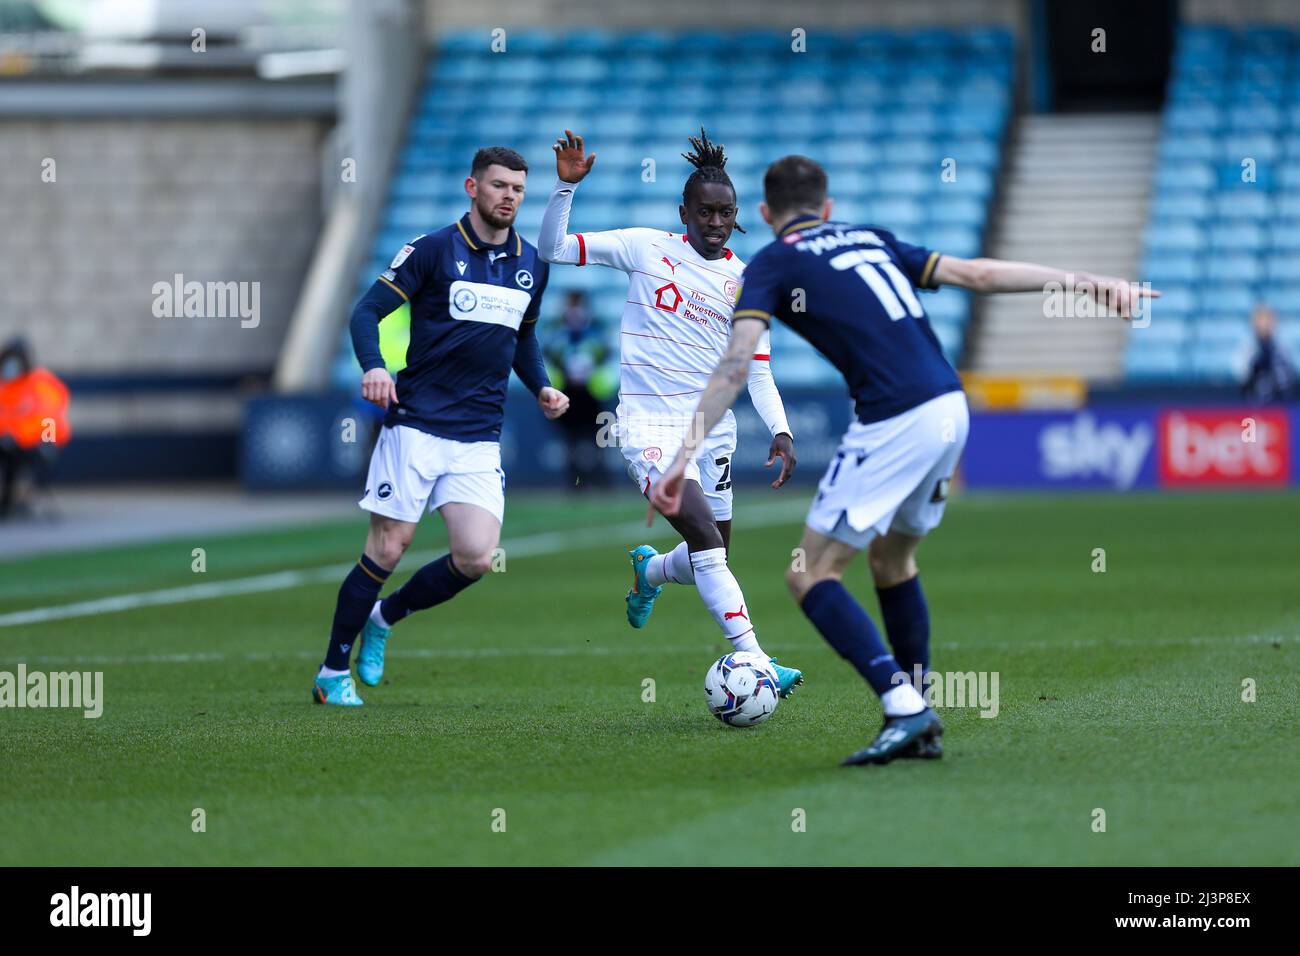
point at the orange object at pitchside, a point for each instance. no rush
(34, 409)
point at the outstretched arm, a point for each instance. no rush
(1000, 275)
(724, 385)
(613, 247)
(571, 167)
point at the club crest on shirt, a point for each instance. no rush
(524, 279)
(652, 453)
(731, 290)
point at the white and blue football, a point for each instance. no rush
(742, 689)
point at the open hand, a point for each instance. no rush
(571, 161)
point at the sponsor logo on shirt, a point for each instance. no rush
(668, 297)
(490, 304)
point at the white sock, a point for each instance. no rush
(722, 596)
(902, 701)
(329, 672)
(671, 568)
(377, 617)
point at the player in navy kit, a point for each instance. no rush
(851, 292)
(475, 289)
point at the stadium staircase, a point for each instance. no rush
(1074, 195)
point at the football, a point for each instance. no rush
(742, 689)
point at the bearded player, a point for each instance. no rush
(676, 322)
(855, 292)
(475, 289)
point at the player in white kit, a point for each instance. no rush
(676, 324)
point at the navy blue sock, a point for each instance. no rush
(434, 583)
(356, 597)
(848, 629)
(907, 623)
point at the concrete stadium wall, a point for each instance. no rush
(98, 212)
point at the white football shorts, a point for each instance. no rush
(648, 451)
(411, 469)
(892, 475)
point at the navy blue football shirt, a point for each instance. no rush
(850, 291)
(473, 312)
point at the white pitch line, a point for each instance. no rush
(534, 545)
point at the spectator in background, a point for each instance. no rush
(578, 359)
(1271, 377)
(33, 421)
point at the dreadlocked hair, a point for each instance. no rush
(709, 160)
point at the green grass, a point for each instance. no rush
(1119, 691)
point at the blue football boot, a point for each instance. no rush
(641, 599)
(897, 737)
(370, 655)
(335, 690)
(789, 677)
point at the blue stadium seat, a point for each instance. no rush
(1243, 204)
(1283, 268)
(1185, 176)
(1236, 298)
(950, 305)
(1223, 332)
(1180, 205)
(1151, 364)
(1285, 236)
(1213, 363)
(1284, 298)
(1175, 236)
(1180, 300)
(1161, 270)
(1232, 268)
(1170, 332)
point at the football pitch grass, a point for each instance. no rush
(523, 701)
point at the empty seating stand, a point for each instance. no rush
(1224, 231)
(881, 110)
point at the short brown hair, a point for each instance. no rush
(794, 183)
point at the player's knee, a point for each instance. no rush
(472, 564)
(801, 581)
(387, 548)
